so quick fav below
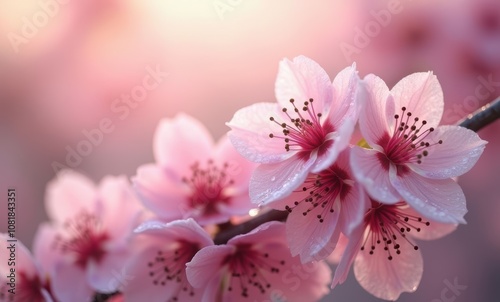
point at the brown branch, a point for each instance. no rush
(483, 116)
(475, 121)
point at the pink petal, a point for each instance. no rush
(239, 206)
(43, 250)
(459, 152)
(341, 139)
(109, 275)
(351, 250)
(141, 287)
(422, 95)
(368, 170)
(272, 182)
(307, 236)
(353, 209)
(339, 250)
(161, 191)
(181, 141)
(118, 197)
(435, 230)
(302, 79)
(69, 284)
(437, 199)
(179, 229)
(206, 263)
(378, 113)
(272, 232)
(387, 279)
(346, 103)
(239, 169)
(69, 194)
(249, 134)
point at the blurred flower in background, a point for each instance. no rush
(70, 70)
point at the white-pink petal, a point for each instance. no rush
(377, 116)
(437, 199)
(181, 141)
(69, 284)
(308, 237)
(161, 191)
(459, 152)
(387, 279)
(422, 95)
(351, 250)
(249, 134)
(209, 260)
(275, 181)
(368, 170)
(302, 79)
(434, 230)
(239, 169)
(120, 207)
(346, 104)
(69, 194)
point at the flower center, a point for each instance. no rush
(325, 189)
(387, 225)
(407, 143)
(83, 239)
(170, 266)
(304, 133)
(207, 187)
(249, 268)
(27, 289)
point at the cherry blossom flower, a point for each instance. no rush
(192, 176)
(386, 260)
(257, 267)
(85, 245)
(158, 268)
(304, 132)
(28, 281)
(329, 202)
(412, 158)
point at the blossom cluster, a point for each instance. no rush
(354, 202)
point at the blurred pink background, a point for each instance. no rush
(64, 66)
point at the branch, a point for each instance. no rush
(475, 122)
(482, 117)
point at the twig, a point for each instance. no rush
(482, 117)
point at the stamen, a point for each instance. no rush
(207, 187)
(387, 225)
(305, 132)
(83, 238)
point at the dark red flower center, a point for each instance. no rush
(248, 268)
(169, 265)
(27, 289)
(324, 190)
(83, 239)
(407, 143)
(304, 132)
(208, 187)
(387, 225)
